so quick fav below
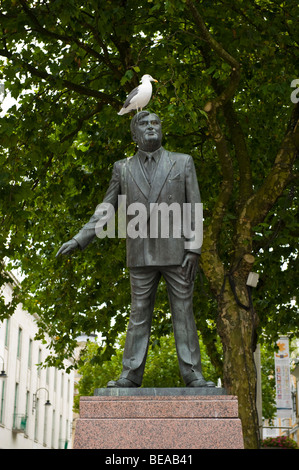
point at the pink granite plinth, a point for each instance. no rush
(158, 422)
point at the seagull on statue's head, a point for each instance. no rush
(140, 96)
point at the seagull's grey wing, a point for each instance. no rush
(130, 96)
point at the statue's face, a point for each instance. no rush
(148, 133)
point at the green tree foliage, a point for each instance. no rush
(225, 70)
(268, 383)
(161, 370)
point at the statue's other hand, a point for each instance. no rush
(67, 247)
(190, 263)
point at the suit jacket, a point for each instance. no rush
(174, 181)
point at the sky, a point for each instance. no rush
(6, 102)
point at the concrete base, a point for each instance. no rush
(158, 419)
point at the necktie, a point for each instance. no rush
(150, 166)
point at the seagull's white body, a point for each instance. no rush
(140, 96)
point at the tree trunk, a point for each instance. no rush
(236, 327)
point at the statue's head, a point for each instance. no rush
(146, 129)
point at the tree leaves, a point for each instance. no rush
(70, 65)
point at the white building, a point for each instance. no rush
(288, 425)
(26, 421)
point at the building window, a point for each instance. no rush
(36, 419)
(53, 430)
(60, 442)
(68, 390)
(2, 402)
(27, 403)
(62, 385)
(19, 343)
(7, 332)
(66, 434)
(30, 353)
(39, 366)
(45, 425)
(15, 409)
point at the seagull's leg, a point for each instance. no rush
(140, 109)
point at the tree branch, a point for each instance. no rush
(80, 122)
(211, 262)
(81, 89)
(241, 151)
(221, 52)
(210, 259)
(231, 88)
(105, 57)
(62, 37)
(259, 205)
(227, 174)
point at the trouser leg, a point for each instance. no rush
(144, 283)
(180, 294)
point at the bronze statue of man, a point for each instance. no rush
(154, 176)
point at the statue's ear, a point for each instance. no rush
(134, 138)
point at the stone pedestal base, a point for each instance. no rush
(178, 418)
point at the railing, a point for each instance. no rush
(19, 423)
(63, 443)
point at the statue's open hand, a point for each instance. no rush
(68, 247)
(190, 265)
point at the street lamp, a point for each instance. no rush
(2, 373)
(35, 398)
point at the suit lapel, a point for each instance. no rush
(151, 193)
(138, 175)
(161, 174)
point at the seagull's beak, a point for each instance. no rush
(155, 80)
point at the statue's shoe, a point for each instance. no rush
(123, 383)
(201, 382)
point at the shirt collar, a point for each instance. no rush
(156, 154)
